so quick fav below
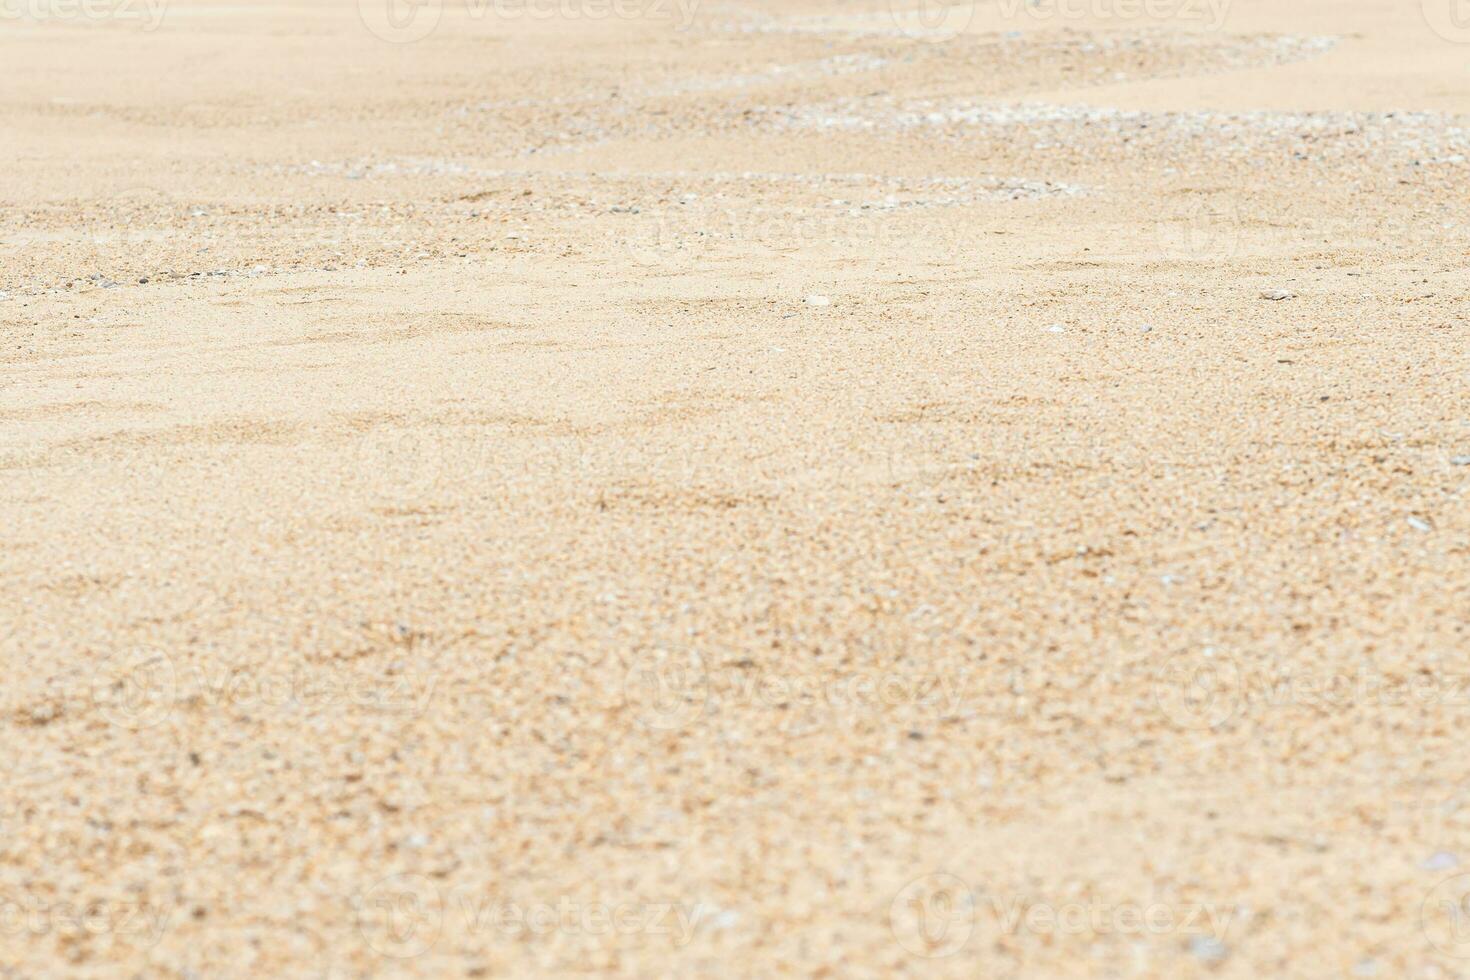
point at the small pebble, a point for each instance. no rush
(817, 300)
(1460, 460)
(1277, 294)
(725, 919)
(1207, 949)
(1056, 328)
(1420, 524)
(1147, 328)
(1440, 861)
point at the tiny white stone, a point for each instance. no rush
(725, 919)
(1277, 294)
(1460, 460)
(817, 300)
(1419, 524)
(1440, 861)
(1056, 328)
(1208, 949)
(1147, 328)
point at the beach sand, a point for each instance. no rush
(735, 488)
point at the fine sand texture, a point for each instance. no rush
(519, 488)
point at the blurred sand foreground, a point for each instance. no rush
(735, 488)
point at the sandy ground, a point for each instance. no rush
(735, 488)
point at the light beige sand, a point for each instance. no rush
(610, 494)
